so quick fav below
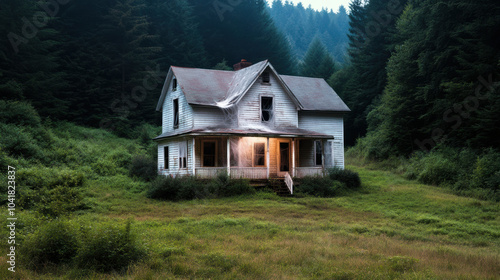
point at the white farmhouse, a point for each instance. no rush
(252, 123)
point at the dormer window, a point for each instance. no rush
(266, 79)
(266, 104)
(174, 84)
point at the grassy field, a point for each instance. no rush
(391, 229)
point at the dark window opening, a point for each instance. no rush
(166, 157)
(319, 152)
(174, 84)
(176, 113)
(259, 154)
(267, 108)
(209, 152)
(266, 78)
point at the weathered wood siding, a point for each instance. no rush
(185, 111)
(327, 123)
(173, 149)
(209, 117)
(249, 110)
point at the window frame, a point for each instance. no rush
(316, 153)
(216, 152)
(166, 157)
(254, 155)
(176, 113)
(266, 76)
(183, 161)
(174, 84)
(271, 111)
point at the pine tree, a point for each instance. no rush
(317, 61)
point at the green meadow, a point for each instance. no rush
(390, 228)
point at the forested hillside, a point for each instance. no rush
(302, 24)
(102, 63)
(424, 76)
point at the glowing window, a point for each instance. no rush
(259, 154)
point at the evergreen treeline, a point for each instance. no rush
(301, 25)
(423, 84)
(102, 62)
(422, 73)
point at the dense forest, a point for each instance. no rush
(418, 76)
(102, 63)
(302, 25)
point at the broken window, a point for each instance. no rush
(176, 113)
(174, 84)
(266, 108)
(266, 77)
(259, 154)
(165, 157)
(318, 147)
(209, 153)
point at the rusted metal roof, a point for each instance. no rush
(225, 88)
(287, 132)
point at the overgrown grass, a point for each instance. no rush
(389, 228)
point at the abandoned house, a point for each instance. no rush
(251, 123)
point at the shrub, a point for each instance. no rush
(50, 191)
(187, 187)
(143, 167)
(108, 248)
(319, 186)
(53, 243)
(349, 178)
(164, 188)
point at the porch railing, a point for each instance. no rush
(308, 171)
(209, 172)
(249, 172)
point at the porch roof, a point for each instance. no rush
(288, 132)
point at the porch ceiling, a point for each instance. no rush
(288, 132)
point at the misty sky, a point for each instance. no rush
(318, 4)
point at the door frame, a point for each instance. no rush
(278, 169)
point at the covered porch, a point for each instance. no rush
(242, 154)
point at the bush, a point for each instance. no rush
(349, 178)
(108, 248)
(143, 167)
(187, 187)
(50, 192)
(53, 243)
(319, 186)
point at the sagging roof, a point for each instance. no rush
(250, 132)
(225, 88)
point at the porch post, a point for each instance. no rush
(228, 155)
(267, 158)
(194, 156)
(293, 157)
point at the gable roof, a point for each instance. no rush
(225, 88)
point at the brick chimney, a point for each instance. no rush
(242, 64)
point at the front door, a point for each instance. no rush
(283, 158)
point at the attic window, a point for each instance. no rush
(174, 84)
(266, 108)
(176, 113)
(266, 78)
